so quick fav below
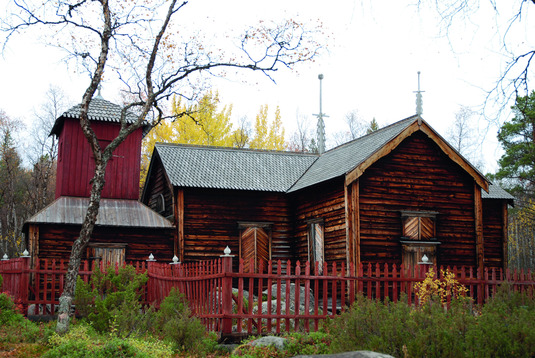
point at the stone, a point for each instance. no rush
(277, 342)
(292, 295)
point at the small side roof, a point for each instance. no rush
(232, 168)
(496, 192)
(99, 110)
(113, 212)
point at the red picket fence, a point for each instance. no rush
(286, 297)
(283, 296)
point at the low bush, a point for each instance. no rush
(503, 327)
(82, 341)
(15, 328)
(111, 301)
(296, 344)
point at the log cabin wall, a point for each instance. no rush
(416, 176)
(322, 201)
(212, 217)
(494, 231)
(55, 241)
(76, 165)
(158, 188)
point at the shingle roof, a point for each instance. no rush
(496, 192)
(230, 168)
(344, 158)
(113, 212)
(243, 169)
(99, 110)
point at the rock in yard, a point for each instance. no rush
(277, 342)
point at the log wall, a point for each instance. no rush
(55, 241)
(493, 232)
(322, 201)
(157, 184)
(211, 219)
(417, 176)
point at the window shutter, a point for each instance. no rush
(315, 245)
(427, 228)
(411, 228)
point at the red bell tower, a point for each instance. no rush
(75, 158)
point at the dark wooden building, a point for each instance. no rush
(389, 197)
(125, 229)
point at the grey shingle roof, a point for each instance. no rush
(344, 158)
(230, 168)
(113, 212)
(243, 169)
(99, 110)
(496, 192)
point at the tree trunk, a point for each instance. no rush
(67, 296)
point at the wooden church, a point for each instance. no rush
(125, 229)
(389, 197)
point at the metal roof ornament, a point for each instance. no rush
(321, 124)
(419, 102)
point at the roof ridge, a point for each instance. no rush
(250, 150)
(380, 130)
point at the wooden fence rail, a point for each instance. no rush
(278, 297)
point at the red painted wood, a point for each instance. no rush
(75, 162)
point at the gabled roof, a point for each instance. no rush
(113, 212)
(342, 159)
(243, 169)
(99, 110)
(231, 168)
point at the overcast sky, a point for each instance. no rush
(371, 64)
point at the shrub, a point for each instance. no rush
(441, 289)
(176, 324)
(506, 326)
(16, 328)
(111, 301)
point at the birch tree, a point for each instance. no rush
(139, 43)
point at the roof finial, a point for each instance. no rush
(321, 124)
(99, 95)
(419, 102)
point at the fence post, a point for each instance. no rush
(226, 292)
(25, 282)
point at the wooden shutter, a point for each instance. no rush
(419, 228)
(427, 228)
(109, 255)
(411, 228)
(316, 244)
(255, 244)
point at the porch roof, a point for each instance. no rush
(113, 212)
